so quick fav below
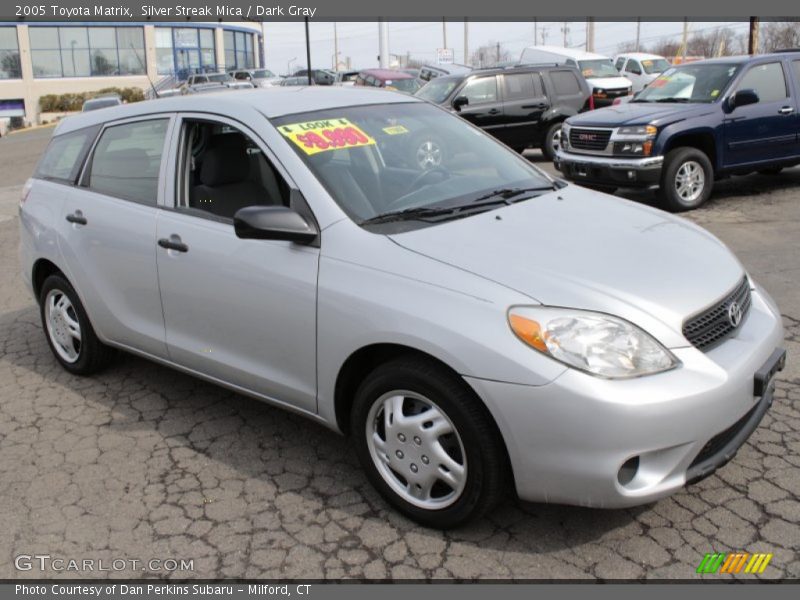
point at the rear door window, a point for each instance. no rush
(767, 80)
(565, 83)
(65, 154)
(518, 86)
(127, 160)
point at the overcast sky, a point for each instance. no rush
(359, 41)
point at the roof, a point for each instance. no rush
(388, 74)
(574, 53)
(639, 55)
(272, 102)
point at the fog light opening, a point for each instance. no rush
(628, 471)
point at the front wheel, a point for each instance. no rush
(686, 180)
(427, 443)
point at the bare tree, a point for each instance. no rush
(489, 54)
(777, 35)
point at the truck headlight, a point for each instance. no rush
(596, 343)
(639, 130)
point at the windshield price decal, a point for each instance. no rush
(395, 130)
(327, 134)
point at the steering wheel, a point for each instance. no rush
(424, 176)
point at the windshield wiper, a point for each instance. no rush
(506, 194)
(681, 100)
(408, 214)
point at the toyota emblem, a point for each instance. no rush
(734, 314)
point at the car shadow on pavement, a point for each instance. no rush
(212, 433)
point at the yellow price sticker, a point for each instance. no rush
(395, 130)
(326, 134)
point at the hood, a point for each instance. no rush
(609, 82)
(640, 113)
(582, 249)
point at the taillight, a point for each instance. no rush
(616, 101)
(26, 189)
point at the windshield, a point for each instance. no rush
(602, 67)
(263, 74)
(437, 90)
(387, 158)
(689, 83)
(403, 85)
(654, 65)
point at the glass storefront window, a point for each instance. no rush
(87, 51)
(10, 67)
(239, 50)
(185, 50)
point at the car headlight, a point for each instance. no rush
(639, 130)
(596, 343)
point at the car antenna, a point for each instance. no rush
(144, 68)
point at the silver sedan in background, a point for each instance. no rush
(475, 326)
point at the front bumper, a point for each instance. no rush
(568, 440)
(609, 170)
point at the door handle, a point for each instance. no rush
(494, 111)
(77, 218)
(786, 110)
(173, 243)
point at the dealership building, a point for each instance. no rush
(37, 59)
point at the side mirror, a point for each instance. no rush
(460, 101)
(273, 223)
(742, 98)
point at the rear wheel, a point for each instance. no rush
(686, 180)
(551, 141)
(68, 331)
(427, 443)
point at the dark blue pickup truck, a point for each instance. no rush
(692, 125)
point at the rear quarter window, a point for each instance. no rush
(65, 155)
(565, 83)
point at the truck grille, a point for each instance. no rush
(713, 324)
(589, 139)
(616, 93)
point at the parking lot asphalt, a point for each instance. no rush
(142, 462)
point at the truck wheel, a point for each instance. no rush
(427, 443)
(686, 180)
(552, 141)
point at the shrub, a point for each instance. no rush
(74, 102)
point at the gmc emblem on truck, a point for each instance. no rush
(587, 137)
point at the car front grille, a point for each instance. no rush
(616, 93)
(713, 324)
(716, 444)
(589, 139)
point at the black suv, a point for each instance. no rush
(522, 107)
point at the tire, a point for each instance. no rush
(427, 152)
(81, 355)
(550, 141)
(405, 387)
(697, 174)
(771, 171)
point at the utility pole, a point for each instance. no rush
(466, 41)
(590, 34)
(308, 54)
(444, 34)
(544, 36)
(535, 31)
(565, 30)
(638, 32)
(383, 43)
(498, 52)
(752, 41)
(685, 41)
(335, 48)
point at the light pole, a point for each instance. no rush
(289, 66)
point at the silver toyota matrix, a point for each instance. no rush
(368, 260)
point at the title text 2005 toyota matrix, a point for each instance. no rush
(470, 324)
